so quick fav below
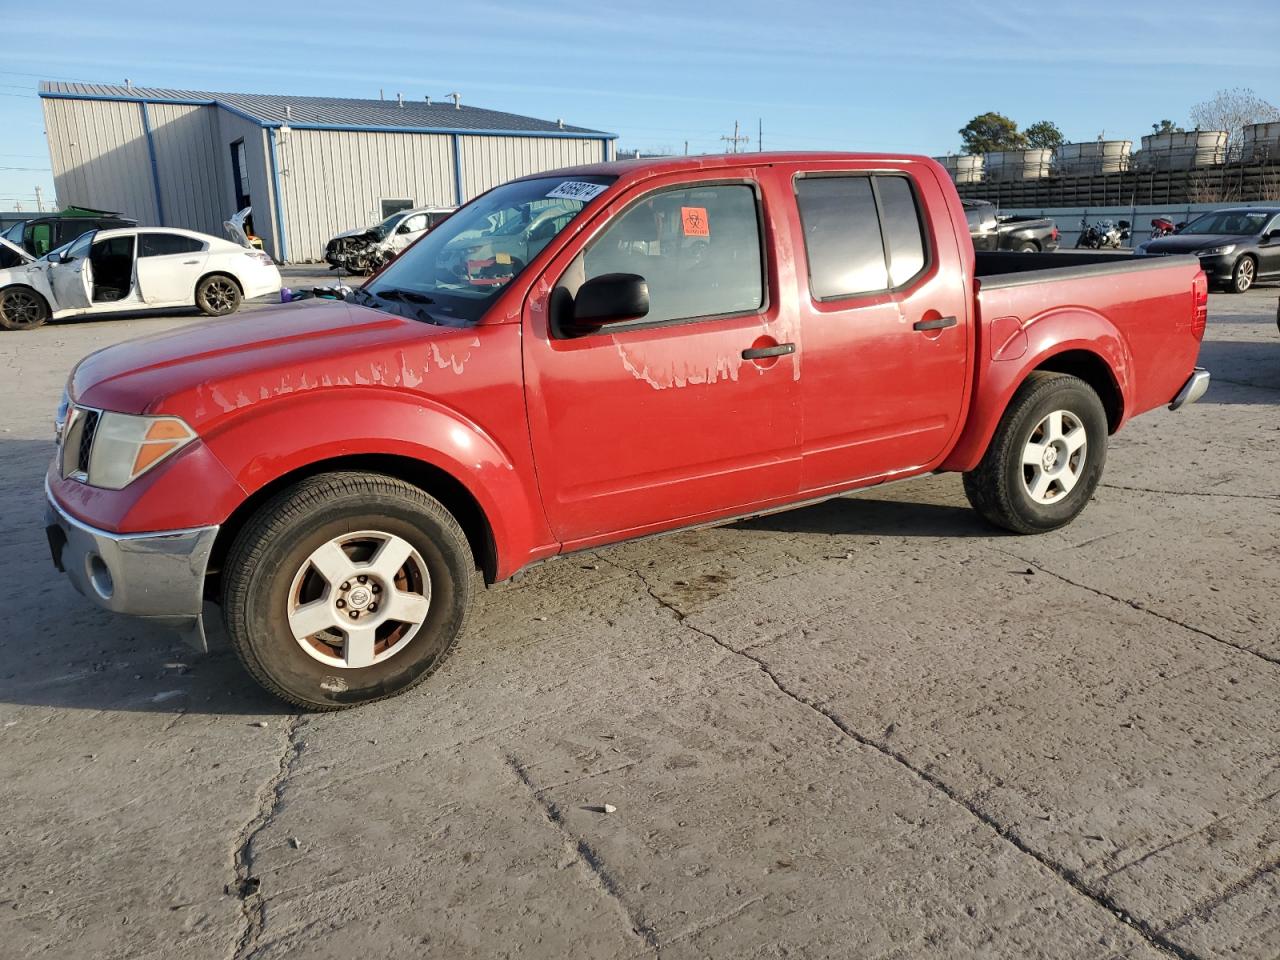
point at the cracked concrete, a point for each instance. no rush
(857, 729)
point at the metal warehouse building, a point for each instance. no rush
(309, 166)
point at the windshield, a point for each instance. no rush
(383, 230)
(453, 273)
(1235, 222)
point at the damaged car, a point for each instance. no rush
(366, 249)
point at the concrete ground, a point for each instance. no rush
(869, 728)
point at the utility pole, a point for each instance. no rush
(736, 139)
(760, 135)
(686, 148)
(39, 200)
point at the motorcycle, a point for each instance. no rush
(1161, 227)
(1104, 233)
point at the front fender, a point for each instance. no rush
(293, 433)
(1003, 367)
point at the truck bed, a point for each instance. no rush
(1001, 268)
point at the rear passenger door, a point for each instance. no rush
(169, 266)
(885, 326)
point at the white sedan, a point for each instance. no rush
(134, 268)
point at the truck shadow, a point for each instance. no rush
(66, 652)
(861, 515)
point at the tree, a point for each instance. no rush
(1232, 111)
(1044, 134)
(991, 131)
(1166, 126)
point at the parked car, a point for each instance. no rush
(110, 271)
(1020, 234)
(1236, 247)
(42, 234)
(366, 249)
(701, 339)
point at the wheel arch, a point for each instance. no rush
(219, 273)
(1101, 360)
(1097, 373)
(48, 306)
(433, 480)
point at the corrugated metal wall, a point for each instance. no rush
(99, 156)
(334, 180)
(330, 181)
(489, 161)
(192, 165)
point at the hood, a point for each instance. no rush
(1189, 243)
(206, 373)
(354, 232)
(23, 256)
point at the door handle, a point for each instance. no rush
(190, 262)
(939, 323)
(777, 350)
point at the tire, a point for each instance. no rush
(1243, 275)
(1027, 247)
(1003, 487)
(21, 308)
(274, 590)
(218, 295)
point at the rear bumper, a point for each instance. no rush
(1192, 390)
(156, 576)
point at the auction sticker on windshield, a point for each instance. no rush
(577, 190)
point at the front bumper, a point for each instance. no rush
(1218, 269)
(156, 576)
(1192, 390)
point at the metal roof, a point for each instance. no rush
(272, 110)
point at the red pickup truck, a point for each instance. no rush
(674, 342)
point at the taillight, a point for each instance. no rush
(1056, 234)
(1200, 304)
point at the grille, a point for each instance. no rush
(88, 428)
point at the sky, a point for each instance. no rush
(899, 76)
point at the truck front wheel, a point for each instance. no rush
(1046, 457)
(346, 588)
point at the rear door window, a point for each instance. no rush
(166, 244)
(841, 236)
(862, 234)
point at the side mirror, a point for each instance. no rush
(57, 257)
(403, 228)
(610, 298)
(1273, 236)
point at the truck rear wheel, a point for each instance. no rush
(1046, 457)
(347, 588)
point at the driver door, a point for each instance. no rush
(687, 413)
(72, 279)
(409, 230)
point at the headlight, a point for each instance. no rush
(111, 450)
(1217, 251)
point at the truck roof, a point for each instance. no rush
(657, 165)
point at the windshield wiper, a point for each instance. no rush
(407, 296)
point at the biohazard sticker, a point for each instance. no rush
(694, 220)
(577, 190)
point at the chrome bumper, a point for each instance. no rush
(1192, 390)
(156, 576)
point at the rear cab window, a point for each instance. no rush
(863, 233)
